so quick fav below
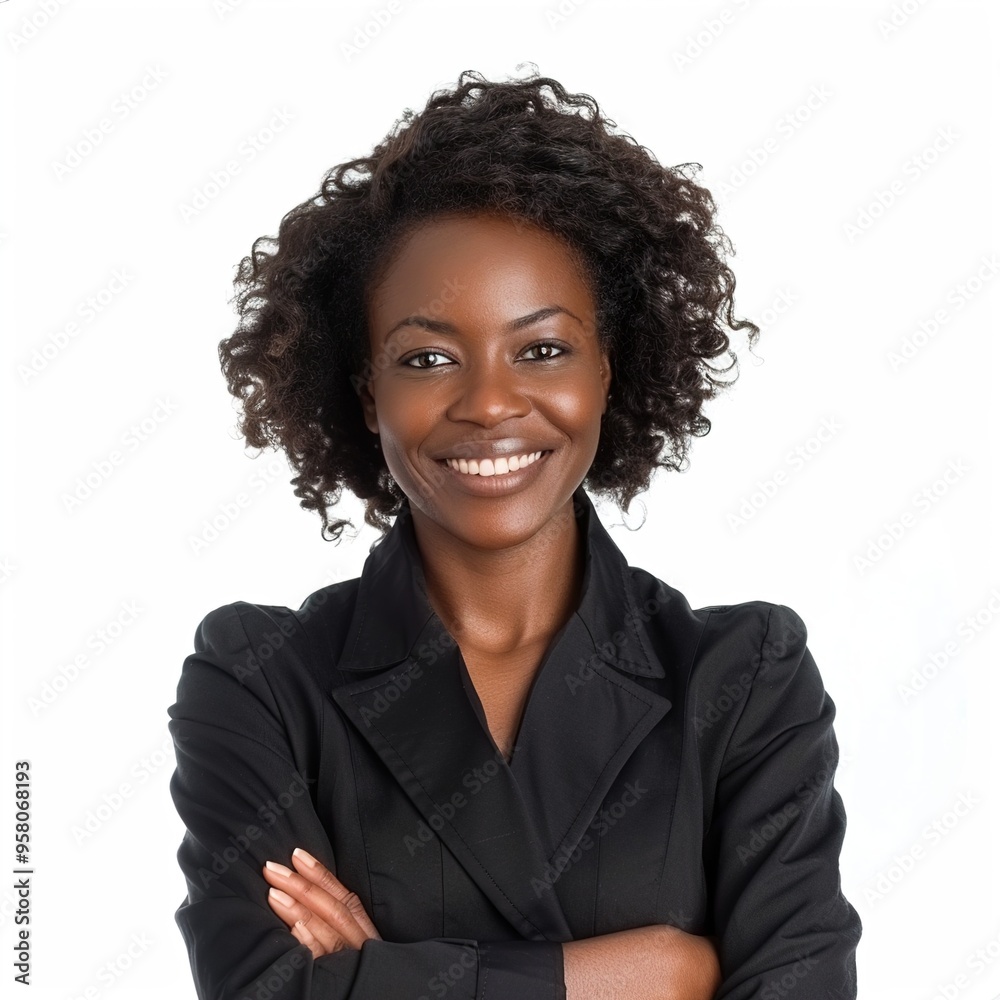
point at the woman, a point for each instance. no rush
(501, 763)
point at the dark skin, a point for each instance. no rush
(483, 338)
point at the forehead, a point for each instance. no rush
(488, 255)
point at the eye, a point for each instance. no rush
(542, 345)
(547, 345)
(423, 354)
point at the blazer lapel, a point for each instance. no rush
(582, 722)
(419, 720)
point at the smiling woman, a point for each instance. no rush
(502, 762)
(517, 371)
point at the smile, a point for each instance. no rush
(493, 467)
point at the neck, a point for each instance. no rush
(497, 601)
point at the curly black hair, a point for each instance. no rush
(529, 150)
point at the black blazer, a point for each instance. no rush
(673, 766)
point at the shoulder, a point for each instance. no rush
(775, 628)
(718, 655)
(745, 628)
(248, 639)
(762, 647)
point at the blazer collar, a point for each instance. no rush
(392, 610)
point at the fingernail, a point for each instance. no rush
(281, 897)
(280, 869)
(307, 858)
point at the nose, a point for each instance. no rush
(488, 393)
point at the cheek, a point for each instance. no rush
(575, 408)
(405, 413)
(407, 418)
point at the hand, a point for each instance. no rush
(319, 910)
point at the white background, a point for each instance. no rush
(852, 230)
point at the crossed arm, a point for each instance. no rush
(770, 853)
(657, 962)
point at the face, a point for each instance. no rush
(484, 356)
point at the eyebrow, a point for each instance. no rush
(441, 326)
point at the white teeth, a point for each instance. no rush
(488, 467)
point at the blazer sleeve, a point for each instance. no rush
(776, 832)
(244, 801)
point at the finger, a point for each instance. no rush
(311, 869)
(315, 901)
(305, 936)
(290, 910)
(295, 915)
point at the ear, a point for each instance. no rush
(364, 391)
(605, 377)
